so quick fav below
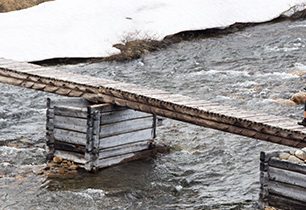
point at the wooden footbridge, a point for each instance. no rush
(256, 125)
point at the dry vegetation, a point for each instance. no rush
(12, 5)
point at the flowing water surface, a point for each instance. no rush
(206, 169)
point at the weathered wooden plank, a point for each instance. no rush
(198, 103)
(128, 157)
(50, 124)
(96, 133)
(293, 127)
(127, 87)
(263, 178)
(171, 97)
(215, 108)
(118, 116)
(285, 203)
(230, 111)
(284, 124)
(289, 177)
(287, 165)
(64, 146)
(49, 129)
(106, 162)
(300, 129)
(101, 107)
(70, 123)
(270, 118)
(78, 108)
(124, 149)
(50, 113)
(286, 190)
(264, 166)
(11, 81)
(217, 123)
(90, 154)
(71, 137)
(284, 164)
(97, 90)
(245, 115)
(259, 117)
(69, 102)
(266, 156)
(126, 126)
(148, 92)
(126, 138)
(74, 78)
(69, 111)
(75, 157)
(107, 107)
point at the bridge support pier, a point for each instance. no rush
(282, 180)
(98, 135)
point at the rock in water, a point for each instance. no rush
(73, 167)
(284, 156)
(287, 102)
(294, 159)
(300, 154)
(57, 159)
(61, 171)
(299, 98)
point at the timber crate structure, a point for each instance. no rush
(283, 183)
(97, 135)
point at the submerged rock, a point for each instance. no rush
(61, 168)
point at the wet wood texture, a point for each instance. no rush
(98, 135)
(283, 183)
(252, 124)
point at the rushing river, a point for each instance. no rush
(206, 169)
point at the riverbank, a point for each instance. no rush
(100, 29)
(135, 49)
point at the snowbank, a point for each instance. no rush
(89, 28)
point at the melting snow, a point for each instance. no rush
(88, 28)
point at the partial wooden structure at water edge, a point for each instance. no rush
(253, 124)
(283, 182)
(97, 135)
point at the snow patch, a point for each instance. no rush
(82, 28)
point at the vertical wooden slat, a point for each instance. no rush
(96, 137)
(154, 126)
(89, 156)
(49, 129)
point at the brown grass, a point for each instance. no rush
(12, 5)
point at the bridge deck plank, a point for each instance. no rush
(277, 129)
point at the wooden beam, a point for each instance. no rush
(101, 90)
